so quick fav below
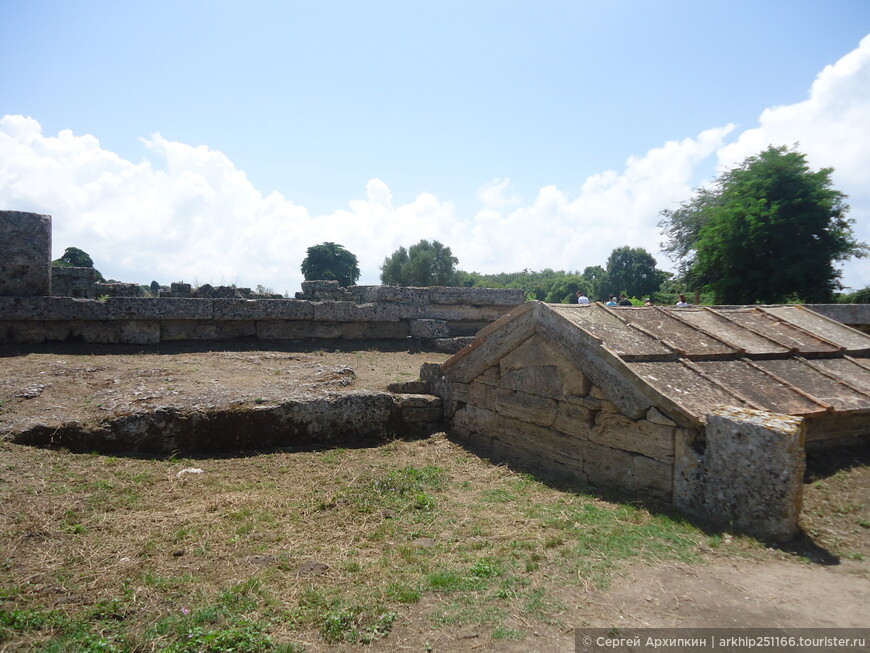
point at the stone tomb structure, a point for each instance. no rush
(708, 409)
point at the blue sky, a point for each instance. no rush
(215, 141)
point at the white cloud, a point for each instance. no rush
(832, 127)
(194, 216)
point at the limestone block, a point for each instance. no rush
(108, 332)
(627, 471)
(296, 329)
(479, 420)
(403, 295)
(517, 440)
(688, 471)
(374, 330)
(574, 418)
(229, 329)
(509, 297)
(429, 329)
(482, 395)
(460, 312)
(536, 367)
(25, 332)
(460, 391)
(655, 416)
(25, 254)
(639, 436)
(188, 330)
(139, 332)
(754, 466)
(526, 407)
(491, 376)
(157, 308)
(262, 309)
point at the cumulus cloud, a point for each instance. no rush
(832, 127)
(192, 215)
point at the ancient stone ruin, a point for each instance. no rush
(708, 409)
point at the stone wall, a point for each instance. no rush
(443, 316)
(25, 254)
(748, 477)
(534, 409)
(530, 405)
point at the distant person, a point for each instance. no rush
(582, 298)
(612, 301)
(682, 303)
(624, 301)
(648, 302)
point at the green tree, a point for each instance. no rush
(770, 230)
(632, 270)
(73, 257)
(332, 262)
(597, 283)
(423, 264)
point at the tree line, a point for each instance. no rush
(770, 230)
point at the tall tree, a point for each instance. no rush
(332, 262)
(73, 257)
(632, 270)
(769, 230)
(423, 264)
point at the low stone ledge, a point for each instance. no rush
(357, 416)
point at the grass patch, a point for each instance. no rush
(267, 551)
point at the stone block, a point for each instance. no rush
(350, 312)
(482, 395)
(574, 418)
(374, 330)
(655, 416)
(537, 368)
(25, 254)
(30, 332)
(753, 472)
(505, 297)
(627, 471)
(639, 436)
(428, 329)
(526, 407)
(139, 332)
(479, 420)
(188, 330)
(262, 309)
(231, 329)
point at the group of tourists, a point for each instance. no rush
(625, 301)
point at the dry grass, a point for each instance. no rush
(299, 551)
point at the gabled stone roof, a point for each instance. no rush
(782, 359)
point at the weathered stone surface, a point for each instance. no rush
(374, 330)
(753, 472)
(627, 471)
(429, 329)
(620, 432)
(25, 254)
(482, 395)
(73, 282)
(479, 420)
(526, 407)
(262, 309)
(536, 368)
(655, 416)
(506, 297)
(574, 418)
(188, 330)
(344, 417)
(139, 332)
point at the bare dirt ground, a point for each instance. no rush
(820, 580)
